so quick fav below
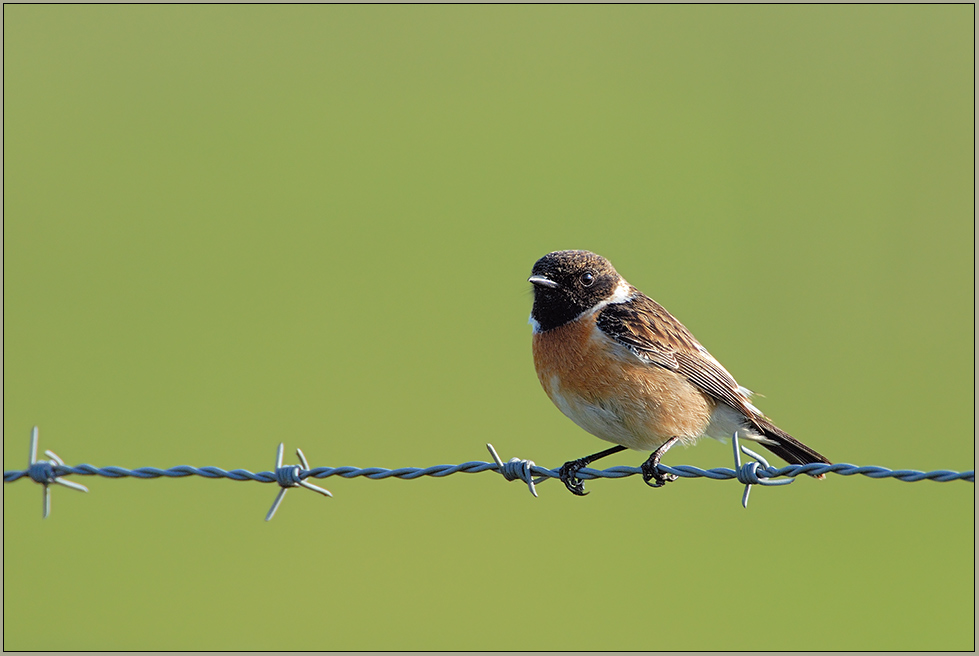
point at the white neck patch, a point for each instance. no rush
(623, 292)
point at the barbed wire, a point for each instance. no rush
(757, 472)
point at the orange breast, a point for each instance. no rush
(614, 395)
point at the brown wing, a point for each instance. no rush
(654, 335)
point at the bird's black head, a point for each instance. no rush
(569, 283)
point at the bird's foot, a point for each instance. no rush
(569, 477)
(650, 468)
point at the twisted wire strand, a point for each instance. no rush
(759, 472)
(476, 467)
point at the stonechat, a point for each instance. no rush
(625, 370)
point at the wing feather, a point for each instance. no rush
(654, 335)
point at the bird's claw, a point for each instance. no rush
(569, 478)
(650, 472)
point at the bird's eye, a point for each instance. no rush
(587, 278)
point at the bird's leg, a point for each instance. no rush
(572, 467)
(650, 468)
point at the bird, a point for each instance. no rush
(621, 367)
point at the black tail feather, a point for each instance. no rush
(790, 449)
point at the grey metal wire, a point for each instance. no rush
(757, 472)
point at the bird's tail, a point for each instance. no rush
(788, 448)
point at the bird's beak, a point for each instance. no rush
(541, 281)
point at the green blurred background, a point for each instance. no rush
(226, 227)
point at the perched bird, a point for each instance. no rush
(625, 370)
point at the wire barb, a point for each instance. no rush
(44, 472)
(517, 469)
(290, 476)
(748, 473)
